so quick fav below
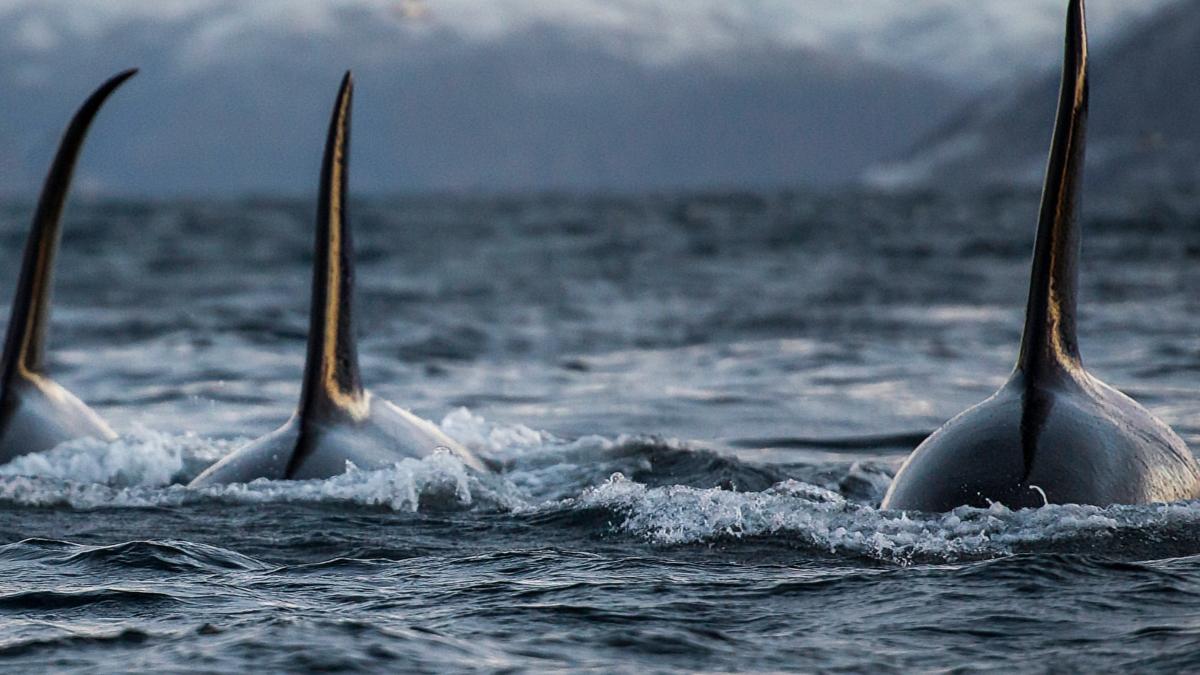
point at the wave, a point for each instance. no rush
(169, 556)
(658, 490)
(61, 600)
(116, 638)
(808, 516)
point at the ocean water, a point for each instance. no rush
(698, 401)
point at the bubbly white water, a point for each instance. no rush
(549, 475)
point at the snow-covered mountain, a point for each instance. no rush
(1144, 127)
(508, 94)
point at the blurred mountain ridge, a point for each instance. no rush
(1143, 132)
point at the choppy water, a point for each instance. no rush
(699, 402)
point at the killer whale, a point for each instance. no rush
(1053, 433)
(337, 422)
(36, 413)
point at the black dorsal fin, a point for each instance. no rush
(332, 384)
(1049, 345)
(25, 344)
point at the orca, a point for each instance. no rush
(1053, 434)
(36, 413)
(338, 423)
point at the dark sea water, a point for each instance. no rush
(698, 400)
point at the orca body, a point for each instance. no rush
(1053, 433)
(37, 413)
(338, 423)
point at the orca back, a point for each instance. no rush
(1053, 433)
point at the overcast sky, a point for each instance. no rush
(978, 40)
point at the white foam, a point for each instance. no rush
(402, 487)
(141, 458)
(812, 516)
(440, 481)
(549, 475)
(477, 433)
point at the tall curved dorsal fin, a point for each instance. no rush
(332, 384)
(25, 344)
(1049, 344)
